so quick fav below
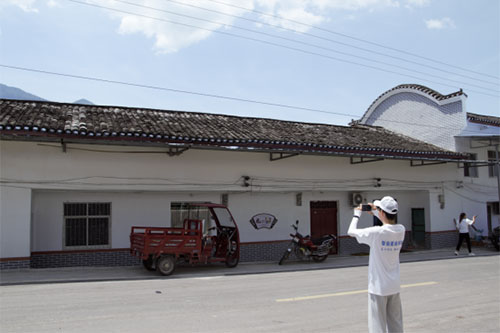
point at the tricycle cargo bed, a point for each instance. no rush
(147, 241)
(213, 239)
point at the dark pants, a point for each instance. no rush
(461, 237)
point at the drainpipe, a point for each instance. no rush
(497, 167)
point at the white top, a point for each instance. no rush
(385, 244)
(463, 225)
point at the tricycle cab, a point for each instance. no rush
(208, 234)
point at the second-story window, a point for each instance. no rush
(469, 169)
(492, 170)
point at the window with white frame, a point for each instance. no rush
(492, 169)
(87, 225)
(469, 169)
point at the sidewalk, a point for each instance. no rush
(88, 274)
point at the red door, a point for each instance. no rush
(324, 220)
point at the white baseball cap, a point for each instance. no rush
(387, 204)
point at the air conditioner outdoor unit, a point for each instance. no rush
(356, 199)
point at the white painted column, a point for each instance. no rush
(15, 222)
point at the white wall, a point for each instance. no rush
(127, 210)
(41, 167)
(141, 186)
(15, 219)
(420, 116)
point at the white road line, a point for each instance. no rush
(354, 292)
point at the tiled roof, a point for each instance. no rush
(34, 120)
(483, 119)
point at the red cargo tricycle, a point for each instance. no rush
(213, 238)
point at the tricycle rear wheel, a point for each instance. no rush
(166, 264)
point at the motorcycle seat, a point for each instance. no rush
(319, 241)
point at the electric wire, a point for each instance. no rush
(280, 46)
(318, 37)
(351, 37)
(237, 99)
(172, 90)
(304, 43)
(466, 197)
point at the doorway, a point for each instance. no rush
(324, 220)
(418, 226)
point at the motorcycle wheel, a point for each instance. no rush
(284, 256)
(320, 258)
(300, 253)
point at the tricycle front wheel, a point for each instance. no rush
(232, 261)
(166, 264)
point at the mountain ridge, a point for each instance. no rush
(9, 92)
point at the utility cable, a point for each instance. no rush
(211, 95)
(319, 37)
(277, 45)
(350, 37)
(226, 25)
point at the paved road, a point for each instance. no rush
(460, 295)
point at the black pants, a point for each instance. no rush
(461, 237)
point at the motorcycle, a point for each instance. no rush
(305, 247)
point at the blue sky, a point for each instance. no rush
(311, 54)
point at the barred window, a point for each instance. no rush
(87, 224)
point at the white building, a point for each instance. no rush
(75, 178)
(424, 114)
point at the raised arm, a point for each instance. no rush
(353, 227)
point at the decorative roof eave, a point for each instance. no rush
(36, 134)
(431, 94)
(483, 119)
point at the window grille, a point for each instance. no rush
(87, 224)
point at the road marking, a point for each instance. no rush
(344, 293)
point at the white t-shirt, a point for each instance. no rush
(385, 244)
(463, 225)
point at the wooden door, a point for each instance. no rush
(324, 220)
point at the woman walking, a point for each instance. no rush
(463, 229)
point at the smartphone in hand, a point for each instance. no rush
(366, 208)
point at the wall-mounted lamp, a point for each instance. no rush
(298, 199)
(441, 201)
(224, 199)
(246, 180)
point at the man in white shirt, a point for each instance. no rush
(384, 303)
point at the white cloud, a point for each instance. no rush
(53, 3)
(439, 24)
(417, 3)
(26, 5)
(170, 37)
